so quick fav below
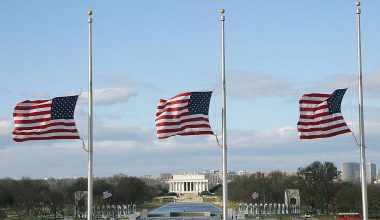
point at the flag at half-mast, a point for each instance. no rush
(321, 116)
(107, 194)
(255, 195)
(45, 119)
(184, 114)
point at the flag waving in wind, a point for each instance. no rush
(320, 115)
(184, 114)
(45, 119)
(107, 194)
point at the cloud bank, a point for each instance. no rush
(109, 96)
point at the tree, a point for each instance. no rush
(56, 202)
(215, 188)
(6, 196)
(80, 184)
(133, 190)
(373, 198)
(318, 185)
(270, 188)
(347, 197)
(241, 189)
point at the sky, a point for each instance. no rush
(146, 50)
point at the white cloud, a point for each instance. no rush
(5, 126)
(245, 85)
(112, 146)
(371, 83)
(260, 139)
(5, 91)
(109, 95)
(122, 80)
(256, 85)
(136, 151)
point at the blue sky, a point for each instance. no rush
(146, 50)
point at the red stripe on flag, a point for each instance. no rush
(32, 114)
(325, 135)
(172, 103)
(16, 132)
(32, 107)
(45, 138)
(162, 131)
(322, 128)
(182, 121)
(321, 122)
(172, 116)
(32, 121)
(315, 116)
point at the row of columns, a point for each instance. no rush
(269, 209)
(185, 186)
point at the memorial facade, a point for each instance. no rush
(188, 183)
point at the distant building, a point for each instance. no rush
(166, 176)
(350, 172)
(291, 173)
(186, 183)
(231, 176)
(213, 177)
(292, 197)
(371, 173)
(258, 175)
(242, 173)
(292, 200)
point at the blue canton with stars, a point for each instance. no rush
(335, 101)
(63, 107)
(199, 103)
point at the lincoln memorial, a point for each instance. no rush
(188, 183)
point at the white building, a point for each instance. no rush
(213, 177)
(231, 176)
(242, 173)
(188, 183)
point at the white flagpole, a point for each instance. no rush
(224, 130)
(90, 134)
(361, 120)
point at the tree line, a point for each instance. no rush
(321, 190)
(55, 197)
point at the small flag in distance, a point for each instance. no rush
(255, 195)
(184, 114)
(320, 115)
(107, 194)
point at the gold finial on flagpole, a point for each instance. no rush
(89, 12)
(358, 11)
(222, 11)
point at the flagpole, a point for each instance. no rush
(224, 130)
(361, 119)
(90, 134)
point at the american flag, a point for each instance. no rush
(45, 119)
(320, 115)
(184, 114)
(255, 195)
(107, 194)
